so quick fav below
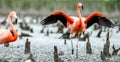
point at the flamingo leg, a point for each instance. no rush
(72, 45)
(77, 48)
(6, 44)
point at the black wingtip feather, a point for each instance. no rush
(103, 21)
(113, 25)
(53, 19)
(106, 22)
(47, 20)
(42, 22)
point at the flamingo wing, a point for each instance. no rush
(53, 19)
(99, 19)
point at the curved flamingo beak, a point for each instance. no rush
(82, 7)
(16, 20)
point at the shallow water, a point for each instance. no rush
(42, 47)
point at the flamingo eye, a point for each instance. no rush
(78, 6)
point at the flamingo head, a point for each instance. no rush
(13, 15)
(80, 6)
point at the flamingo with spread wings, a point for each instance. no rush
(5, 35)
(77, 24)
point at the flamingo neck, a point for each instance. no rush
(80, 17)
(79, 14)
(80, 22)
(13, 29)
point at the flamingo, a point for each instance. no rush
(78, 24)
(5, 35)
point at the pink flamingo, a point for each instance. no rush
(77, 24)
(5, 35)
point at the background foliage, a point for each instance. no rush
(51, 5)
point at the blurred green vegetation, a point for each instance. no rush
(108, 5)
